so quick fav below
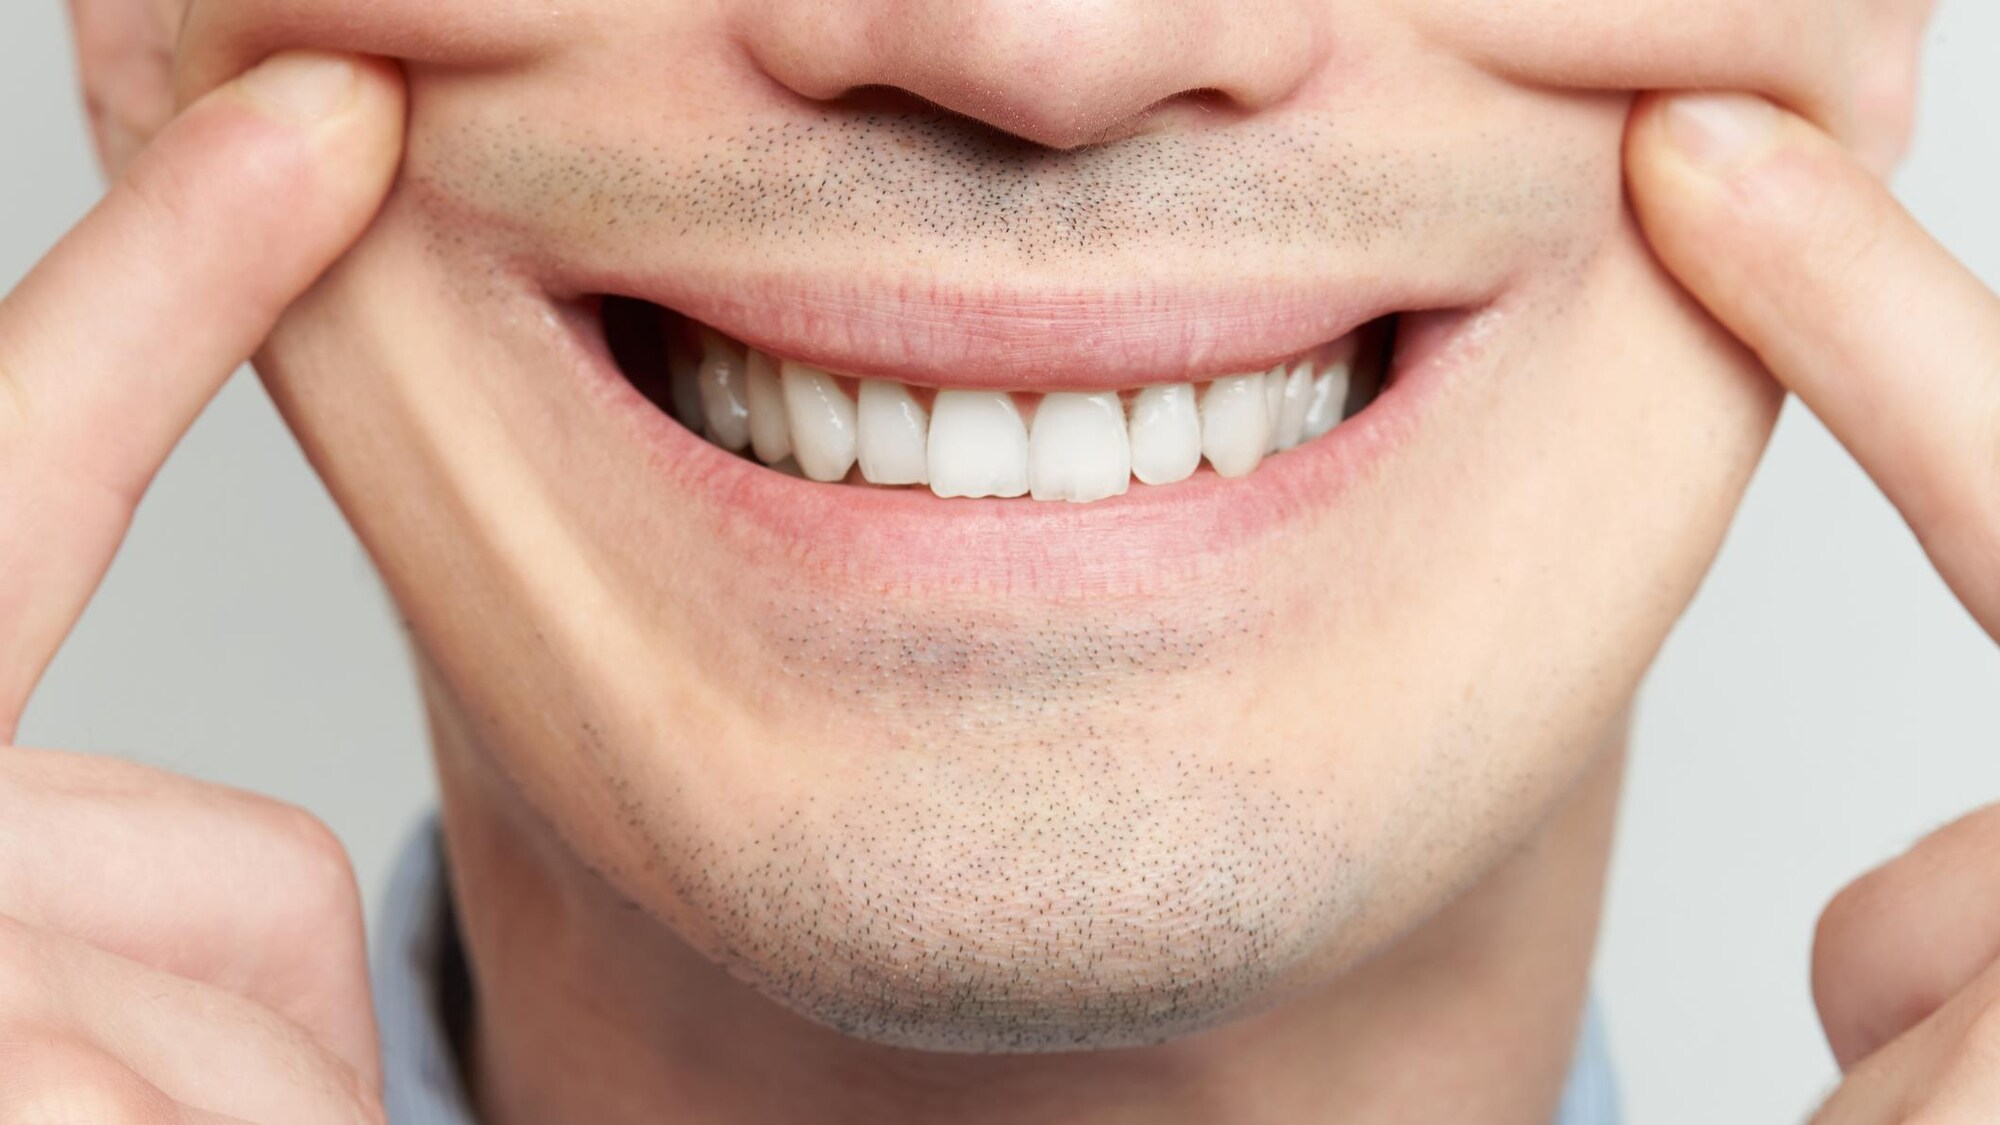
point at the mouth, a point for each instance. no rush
(972, 442)
(911, 459)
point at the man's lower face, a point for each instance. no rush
(1016, 773)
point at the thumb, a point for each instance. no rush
(1897, 943)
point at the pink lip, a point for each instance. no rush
(903, 539)
(1031, 340)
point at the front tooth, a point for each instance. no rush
(1329, 401)
(978, 445)
(724, 401)
(1235, 424)
(822, 421)
(1077, 449)
(1291, 417)
(1165, 434)
(1274, 404)
(770, 432)
(893, 434)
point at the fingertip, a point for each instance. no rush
(352, 110)
(1648, 157)
(1727, 186)
(264, 182)
(1686, 150)
(1718, 134)
(361, 148)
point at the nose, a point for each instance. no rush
(1060, 73)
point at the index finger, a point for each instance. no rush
(1808, 259)
(117, 339)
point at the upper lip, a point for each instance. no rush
(1034, 339)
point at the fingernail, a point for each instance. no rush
(1720, 131)
(304, 87)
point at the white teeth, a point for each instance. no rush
(1075, 446)
(1077, 449)
(978, 445)
(1329, 401)
(684, 385)
(1235, 424)
(770, 432)
(893, 435)
(1165, 434)
(1274, 403)
(1291, 417)
(822, 421)
(724, 402)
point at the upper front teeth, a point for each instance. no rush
(822, 419)
(895, 434)
(1078, 449)
(1165, 433)
(770, 430)
(978, 445)
(1236, 423)
(1077, 446)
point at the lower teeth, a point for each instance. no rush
(1076, 446)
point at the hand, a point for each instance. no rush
(170, 951)
(1807, 259)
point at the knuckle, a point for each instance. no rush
(1840, 934)
(319, 879)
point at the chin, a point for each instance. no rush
(1060, 897)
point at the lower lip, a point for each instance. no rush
(901, 538)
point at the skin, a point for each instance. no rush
(679, 849)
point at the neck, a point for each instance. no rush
(589, 1010)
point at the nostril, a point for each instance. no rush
(882, 98)
(998, 124)
(895, 101)
(1191, 109)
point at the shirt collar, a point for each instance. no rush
(417, 958)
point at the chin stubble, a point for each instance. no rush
(1026, 857)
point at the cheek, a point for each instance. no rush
(1597, 482)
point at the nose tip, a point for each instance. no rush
(1059, 74)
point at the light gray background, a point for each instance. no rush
(1824, 704)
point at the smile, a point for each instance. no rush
(858, 442)
(1060, 445)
